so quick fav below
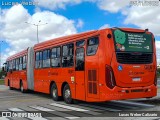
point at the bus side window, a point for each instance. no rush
(68, 52)
(20, 63)
(17, 64)
(14, 65)
(10, 66)
(46, 58)
(92, 45)
(38, 60)
(80, 43)
(56, 57)
(24, 62)
(7, 67)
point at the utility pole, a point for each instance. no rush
(0, 53)
(37, 25)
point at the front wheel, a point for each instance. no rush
(54, 92)
(67, 94)
(21, 87)
(10, 86)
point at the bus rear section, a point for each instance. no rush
(130, 70)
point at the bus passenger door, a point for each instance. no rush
(80, 74)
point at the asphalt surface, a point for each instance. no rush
(26, 103)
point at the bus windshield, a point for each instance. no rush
(132, 41)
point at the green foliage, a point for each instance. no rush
(1, 82)
(2, 73)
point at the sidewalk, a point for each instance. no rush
(3, 87)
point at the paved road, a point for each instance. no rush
(15, 101)
(158, 82)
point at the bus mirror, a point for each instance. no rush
(109, 36)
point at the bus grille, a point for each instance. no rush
(134, 58)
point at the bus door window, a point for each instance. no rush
(68, 52)
(56, 57)
(17, 64)
(10, 66)
(46, 58)
(38, 60)
(24, 62)
(7, 67)
(80, 59)
(20, 63)
(92, 46)
(14, 65)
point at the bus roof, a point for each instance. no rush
(64, 39)
(19, 54)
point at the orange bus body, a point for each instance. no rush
(127, 81)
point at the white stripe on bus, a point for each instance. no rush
(69, 107)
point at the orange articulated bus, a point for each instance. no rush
(94, 66)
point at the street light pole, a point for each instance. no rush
(0, 53)
(37, 25)
(37, 35)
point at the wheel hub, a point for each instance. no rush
(54, 93)
(67, 93)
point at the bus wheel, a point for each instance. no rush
(54, 92)
(21, 87)
(67, 94)
(10, 86)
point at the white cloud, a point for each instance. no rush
(112, 5)
(105, 26)
(141, 16)
(145, 17)
(158, 51)
(80, 23)
(54, 4)
(20, 35)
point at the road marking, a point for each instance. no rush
(99, 107)
(15, 109)
(20, 110)
(71, 118)
(41, 108)
(69, 107)
(134, 103)
(50, 110)
(4, 118)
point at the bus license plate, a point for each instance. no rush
(136, 79)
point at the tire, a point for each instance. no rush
(21, 87)
(10, 86)
(54, 92)
(67, 96)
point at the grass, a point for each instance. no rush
(1, 82)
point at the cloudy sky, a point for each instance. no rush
(64, 17)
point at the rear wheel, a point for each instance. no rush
(67, 94)
(9, 85)
(21, 87)
(54, 92)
